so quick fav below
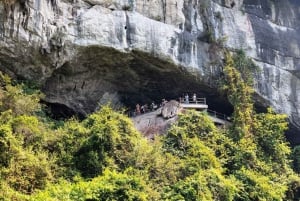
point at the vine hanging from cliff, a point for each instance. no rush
(240, 96)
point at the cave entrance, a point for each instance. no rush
(101, 73)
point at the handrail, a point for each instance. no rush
(192, 101)
(200, 101)
(217, 114)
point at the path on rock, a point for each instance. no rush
(160, 120)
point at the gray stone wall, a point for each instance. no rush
(49, 41)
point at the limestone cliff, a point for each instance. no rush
(85, 52)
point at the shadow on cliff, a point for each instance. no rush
(99, 75)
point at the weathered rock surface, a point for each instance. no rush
(83, 52)
(153, 123)
(158, 122)
(170, 109)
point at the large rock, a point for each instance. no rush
(83, 51)
(153, 123)
(170, 109)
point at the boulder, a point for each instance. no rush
(170, 109)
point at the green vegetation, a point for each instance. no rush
(126, 7)
(245, 66)
(105, 158)
(218, 15)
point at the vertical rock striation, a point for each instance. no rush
(85, 52)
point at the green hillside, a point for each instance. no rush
(103, 157)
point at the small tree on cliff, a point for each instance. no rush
(240, 96)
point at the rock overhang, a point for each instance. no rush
(51, 39)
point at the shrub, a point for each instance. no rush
(112, 139)
(28, 172)
(108, 187)
(126, 7)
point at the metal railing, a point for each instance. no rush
(132, 113)
(218, 115)
(192, 101)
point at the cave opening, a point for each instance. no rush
(135, 78)
(60, 111)
(106, 74)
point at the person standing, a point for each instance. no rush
(138, 109)
(143, 109)
(194, 98)
(153, 106)
(186, 98)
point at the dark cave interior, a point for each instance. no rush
(136, 78)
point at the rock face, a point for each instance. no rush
(158, 121)
(153, 123)
(85, 52)
(170, 109)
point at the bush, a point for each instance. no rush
(126, 8)
(204, 185)
(27, 172)
(110, 186)
(195, 160)
(111, 141)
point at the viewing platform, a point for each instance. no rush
(198, 104)
(158, 119)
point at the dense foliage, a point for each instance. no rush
(105, 158)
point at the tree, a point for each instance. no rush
(202, 176)
(240, 96)
(111, 141)
(272, 146)
(111, 186)
(261, 158)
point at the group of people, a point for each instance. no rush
(186, 99)
(140, 109)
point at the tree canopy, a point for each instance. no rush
(104, 157)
